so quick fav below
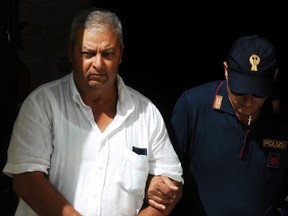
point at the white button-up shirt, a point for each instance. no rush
(98, 173)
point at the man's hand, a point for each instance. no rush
(162, 192)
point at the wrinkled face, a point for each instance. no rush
(95, 59)
(245, 104)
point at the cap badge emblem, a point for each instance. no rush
(254, 60)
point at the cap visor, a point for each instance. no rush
(250, 84)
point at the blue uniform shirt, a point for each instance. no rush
(229, 170)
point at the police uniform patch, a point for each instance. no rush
(273, 160)
(217, 102)
(276, 144)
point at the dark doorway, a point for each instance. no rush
(8, 68)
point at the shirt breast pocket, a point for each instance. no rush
(134, 171)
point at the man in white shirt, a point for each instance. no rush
(85, 144)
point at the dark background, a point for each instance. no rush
(169, 48)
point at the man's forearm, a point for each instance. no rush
(41, 195)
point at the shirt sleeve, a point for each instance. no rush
(163, 158)
(30, 144)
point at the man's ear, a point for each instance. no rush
(69, 50)
(122, 49)
(225, 65)
(275, 74)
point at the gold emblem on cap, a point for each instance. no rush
(254, 60)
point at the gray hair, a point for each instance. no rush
(95, 20)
